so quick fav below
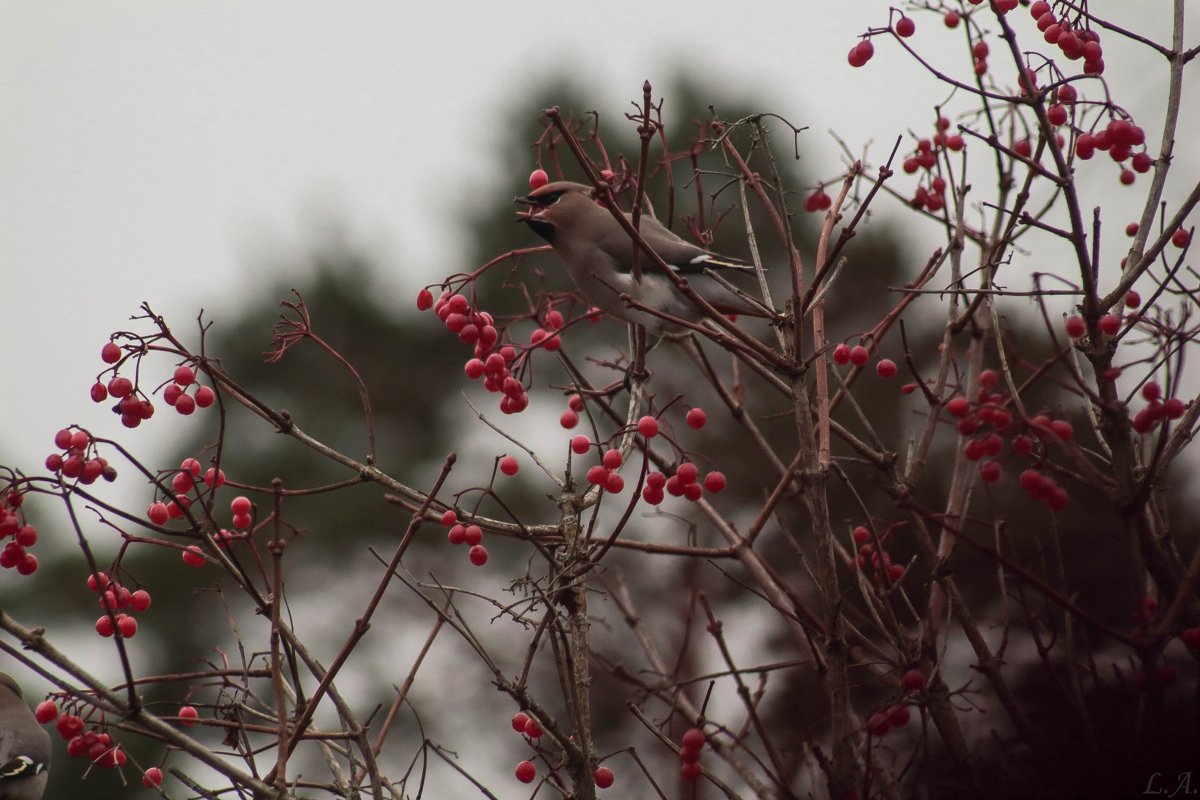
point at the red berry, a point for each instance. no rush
(905, 27)
(580, 444)
(193, 556)
(1062, 429)
(537, 179)
(1127, 177)
(532, 729)
(187, 716)
(841, 355)
(693, 740)
(205, 397)
(912, 680)
(127, 625)
(652, 495)
(69, 726)
(687, 473)
(152, 777)
(569, 419)
(104, 626)
(696, 418)
(603, 777)
(648, 427)
(886, 369)
(509, 465)
(990, 471)
(46, 711)
(1180, 237)
(97, 582)
(1056, 114)
(98, 393)
(859, 355)
(519, 721)
(597, 475)
(120, 386)
(951, 19)
(526, 771)
(139, 601)
(157, 513)
(958, 406)
(478, 555)
(424, 300)
(1109, 324)
(861, 535)
(611, 459)
(861, 53)
(472, 535)
(185, 404)
(714, 482)
(214, 476)
(1076, 327)
(690, 771)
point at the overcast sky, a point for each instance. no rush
(154, 151)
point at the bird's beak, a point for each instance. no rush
(525, 214)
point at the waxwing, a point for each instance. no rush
(24, 746)
(598, 252)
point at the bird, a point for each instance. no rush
(24, 746)
(598, 254)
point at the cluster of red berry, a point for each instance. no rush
(989, 411)
(175, 394)
(932, 197)
(883, 720)
(96, 745)
(470, 535)
(114, 598)
(684, 482)
(886, 573)
(78, 458)
(478, 329)
(818, 201)
(858, 355)
(526, 770)
(1157, 408)
(689, 753)
(16, 553)
(1074, 44)
(527, 726)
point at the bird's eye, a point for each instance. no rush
(549, 199)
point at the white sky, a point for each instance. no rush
(155, 150)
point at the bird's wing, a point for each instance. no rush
(683, 257)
